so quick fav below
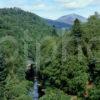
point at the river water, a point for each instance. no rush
(34, 91)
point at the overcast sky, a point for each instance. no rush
(54, 9)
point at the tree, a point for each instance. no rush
(55, 94)
(76, 30)
(92, 69)
(3, 75)
(94, 93)
(54, 32)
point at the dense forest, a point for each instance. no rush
(67, 61)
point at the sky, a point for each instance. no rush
(53, 9)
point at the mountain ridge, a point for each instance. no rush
(69, 19)
(57, 24)
(65, 21)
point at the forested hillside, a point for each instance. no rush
(69, 64)
(17, 29)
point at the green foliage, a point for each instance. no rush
(94, 94)
(16, 28)
(55, 94)
(71, 77)
(60, 62)
(3, 75)
(17, 90)
(3, 70)
(76, 30)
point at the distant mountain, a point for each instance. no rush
(57, 24)
(65, 21)
(69, 19)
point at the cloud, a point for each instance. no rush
(38, 6)
(74, 3)
(54, 8)
(12, 3)
(96, 2)
(24, 4)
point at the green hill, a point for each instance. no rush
(14, 21)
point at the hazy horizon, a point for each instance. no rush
(53, 9)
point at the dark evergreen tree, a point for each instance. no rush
(92, 69)
(54, 32)
(76, 30)
(3, 74)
